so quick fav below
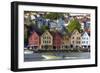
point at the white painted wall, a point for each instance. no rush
(5, 17)
(82, 26)
(85, 39)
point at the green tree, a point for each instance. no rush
(74, 24)
(26, 34)
(44, 27)
(53, 16)
(25, 38)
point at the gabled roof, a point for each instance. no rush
(58, 33)
(74, 32)
(53, 33)
(45, 32)
(38, 33)
(85, 32)
(35, 29)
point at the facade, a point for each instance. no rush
(60, 23)
(39, 21)
(46, 40)
(82, 25)
(87, 25)
(57, 40)
(53, 25)
(65, 42)
(85, 40)
(76, 39)
(57, 24)
(34, 40)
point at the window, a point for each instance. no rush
(44, 37)
(78, 38)
(67, 39)
(83, 38)
(47, 37)
(79, 42)
(86, 42)
(43, 42)
(83, 42)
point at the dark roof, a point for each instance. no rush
(57, 33)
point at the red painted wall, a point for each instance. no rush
(34, 39)
(57, 41)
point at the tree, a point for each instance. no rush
(26, 33)
(25, 36)
(74, 24)
(53, 16)
(25, 39)
(44, 27)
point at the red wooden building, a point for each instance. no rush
(57, 40)
(34, 40)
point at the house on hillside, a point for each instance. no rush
(40, 21)
(87, 25)
(60, 24)
(57, 24)
(52, 25)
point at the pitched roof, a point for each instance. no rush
(35, 29)
(56, 33)
(45, 32)
(85, 32)
(74, 32)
